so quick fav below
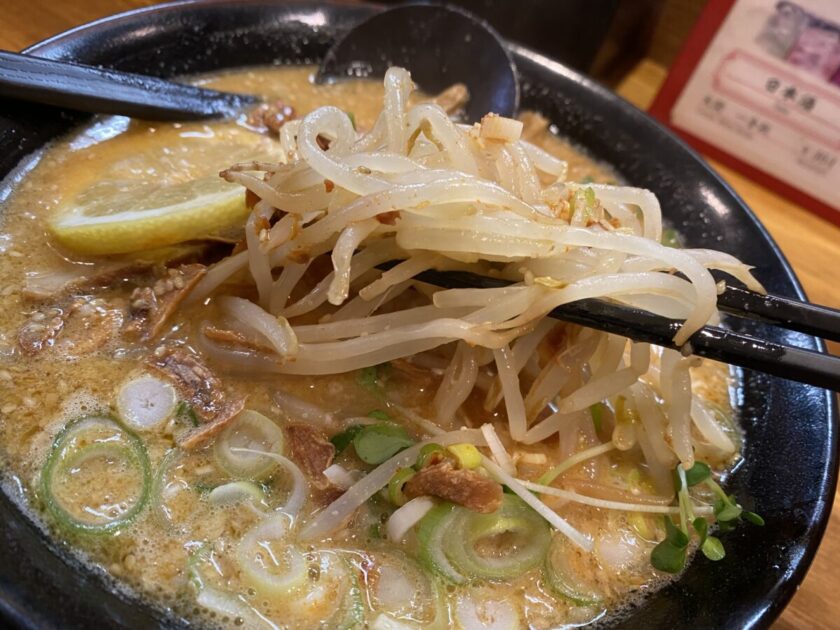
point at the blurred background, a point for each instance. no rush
(604, 38)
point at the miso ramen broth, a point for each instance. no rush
(133, 401)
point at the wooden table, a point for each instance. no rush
(811, 244)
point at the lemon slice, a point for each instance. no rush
(134, 186)
(120, 217)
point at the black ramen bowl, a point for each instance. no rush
(788, 471)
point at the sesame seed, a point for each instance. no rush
(8, 408)
(5, 375)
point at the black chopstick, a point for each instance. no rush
(105, 91)
(712, 342)
(812, 319)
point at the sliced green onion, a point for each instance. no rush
(486, 614)
(350, 614)
(502, 545)
(267, 561)
(376, 443)
(181, 479)
(565, 573)
(384, 621)
(250, 430)
(160, 487)
(76, 449)
(378, 414)
(234, 607)
(430, 534)
(430, 454)
(395, 486)
(237, 492)
(145, 403)
(224, 603)
(459, 544)
(400, 588)
(332, 585)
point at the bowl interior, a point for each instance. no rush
(788, 472)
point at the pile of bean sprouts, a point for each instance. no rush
(423, 190)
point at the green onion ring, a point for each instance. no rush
(61, 457)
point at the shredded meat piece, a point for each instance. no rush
(73, 327)
(193, 380)
(44, 285)
(323, 142)
(151, 307)
(201, 389)
(464, 487)
(90, 324)
(204, 432)
(271, 116)
(234, 338)
(534, 125)
(453, 98)
(388, 218)
(261, 223)
(311, 449)
(40, 330)
(251, 199)
(413, 372)
(239, 246)
(322, 497)
(299, 255)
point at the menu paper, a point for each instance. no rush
(766, 92)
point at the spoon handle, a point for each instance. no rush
(104, 91)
